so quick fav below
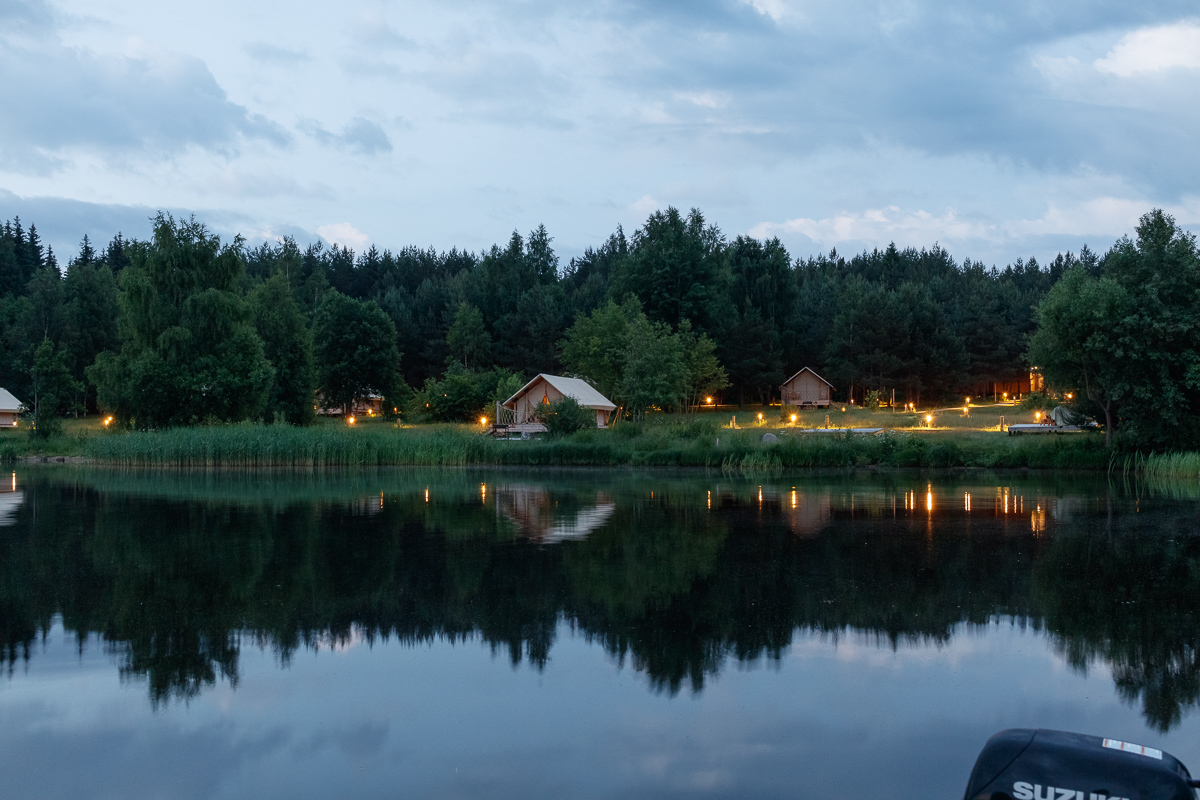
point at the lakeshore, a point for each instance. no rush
(973, 437)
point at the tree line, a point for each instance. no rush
(183, 328)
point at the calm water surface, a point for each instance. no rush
(583, 634)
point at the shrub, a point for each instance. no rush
(565, 416)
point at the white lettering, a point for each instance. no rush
(1037, 792)
(1094, 796)
(1023, 790)
(1066, 794)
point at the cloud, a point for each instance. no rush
(1064, 225)
(61, 99)
(879, 225)
(360, 136)
(345, 235)
(1154, 49)
(373, 30)
(62, 222)
(262, 51)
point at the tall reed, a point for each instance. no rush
(683, 445)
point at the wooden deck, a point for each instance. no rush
(523, 430)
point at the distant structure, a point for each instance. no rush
(517, 413)
(806, 388)
(9, 408)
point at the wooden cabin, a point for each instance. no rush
(9, 408)
(517, 413)
(806, 388)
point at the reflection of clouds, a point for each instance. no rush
(538, 516)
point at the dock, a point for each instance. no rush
(1038, 428)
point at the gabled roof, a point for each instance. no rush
(8, 402)
(583, 392)
(807, 369)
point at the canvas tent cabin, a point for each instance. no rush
(9, 408)
(518, 412)
(806, 388)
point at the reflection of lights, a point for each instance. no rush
(1037, 520)
(426, 494)
(929, 499)
(483, 492)
(967, 501)
(710, 498)
(793, 498)
(760, 497)
(14, 481)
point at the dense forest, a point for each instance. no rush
(183, 328)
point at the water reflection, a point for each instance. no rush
(176, 572)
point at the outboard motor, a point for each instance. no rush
(1028, 764)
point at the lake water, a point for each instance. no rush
(579, 633)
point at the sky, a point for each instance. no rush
(998, 131)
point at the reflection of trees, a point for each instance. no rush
(174, 585)
(1129, 597)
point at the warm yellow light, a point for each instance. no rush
(708, 400)
(1070, 396)
(968, 401)
(793, 418)
(843, 408)
(760, 415)
(483, 420)
(107, 421)
(351, 420)
(929, 419)
(1005, 395)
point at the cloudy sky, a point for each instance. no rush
(997, 129)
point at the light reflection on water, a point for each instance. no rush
(669, 633)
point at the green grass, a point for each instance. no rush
(953, 440)
(658, 443)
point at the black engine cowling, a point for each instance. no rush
(1028, 764)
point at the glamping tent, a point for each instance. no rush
(9, 408)
(517, 412)
(806, 388)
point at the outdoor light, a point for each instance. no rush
(843, 408)
(351, 420)
(107, 421)
(929, 420)
(760, 416)
(793, 419)
(968, 401)
(483, 420)
(708, 400)
(1070, 396)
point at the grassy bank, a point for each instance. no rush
(684, 444)
(951, 439)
